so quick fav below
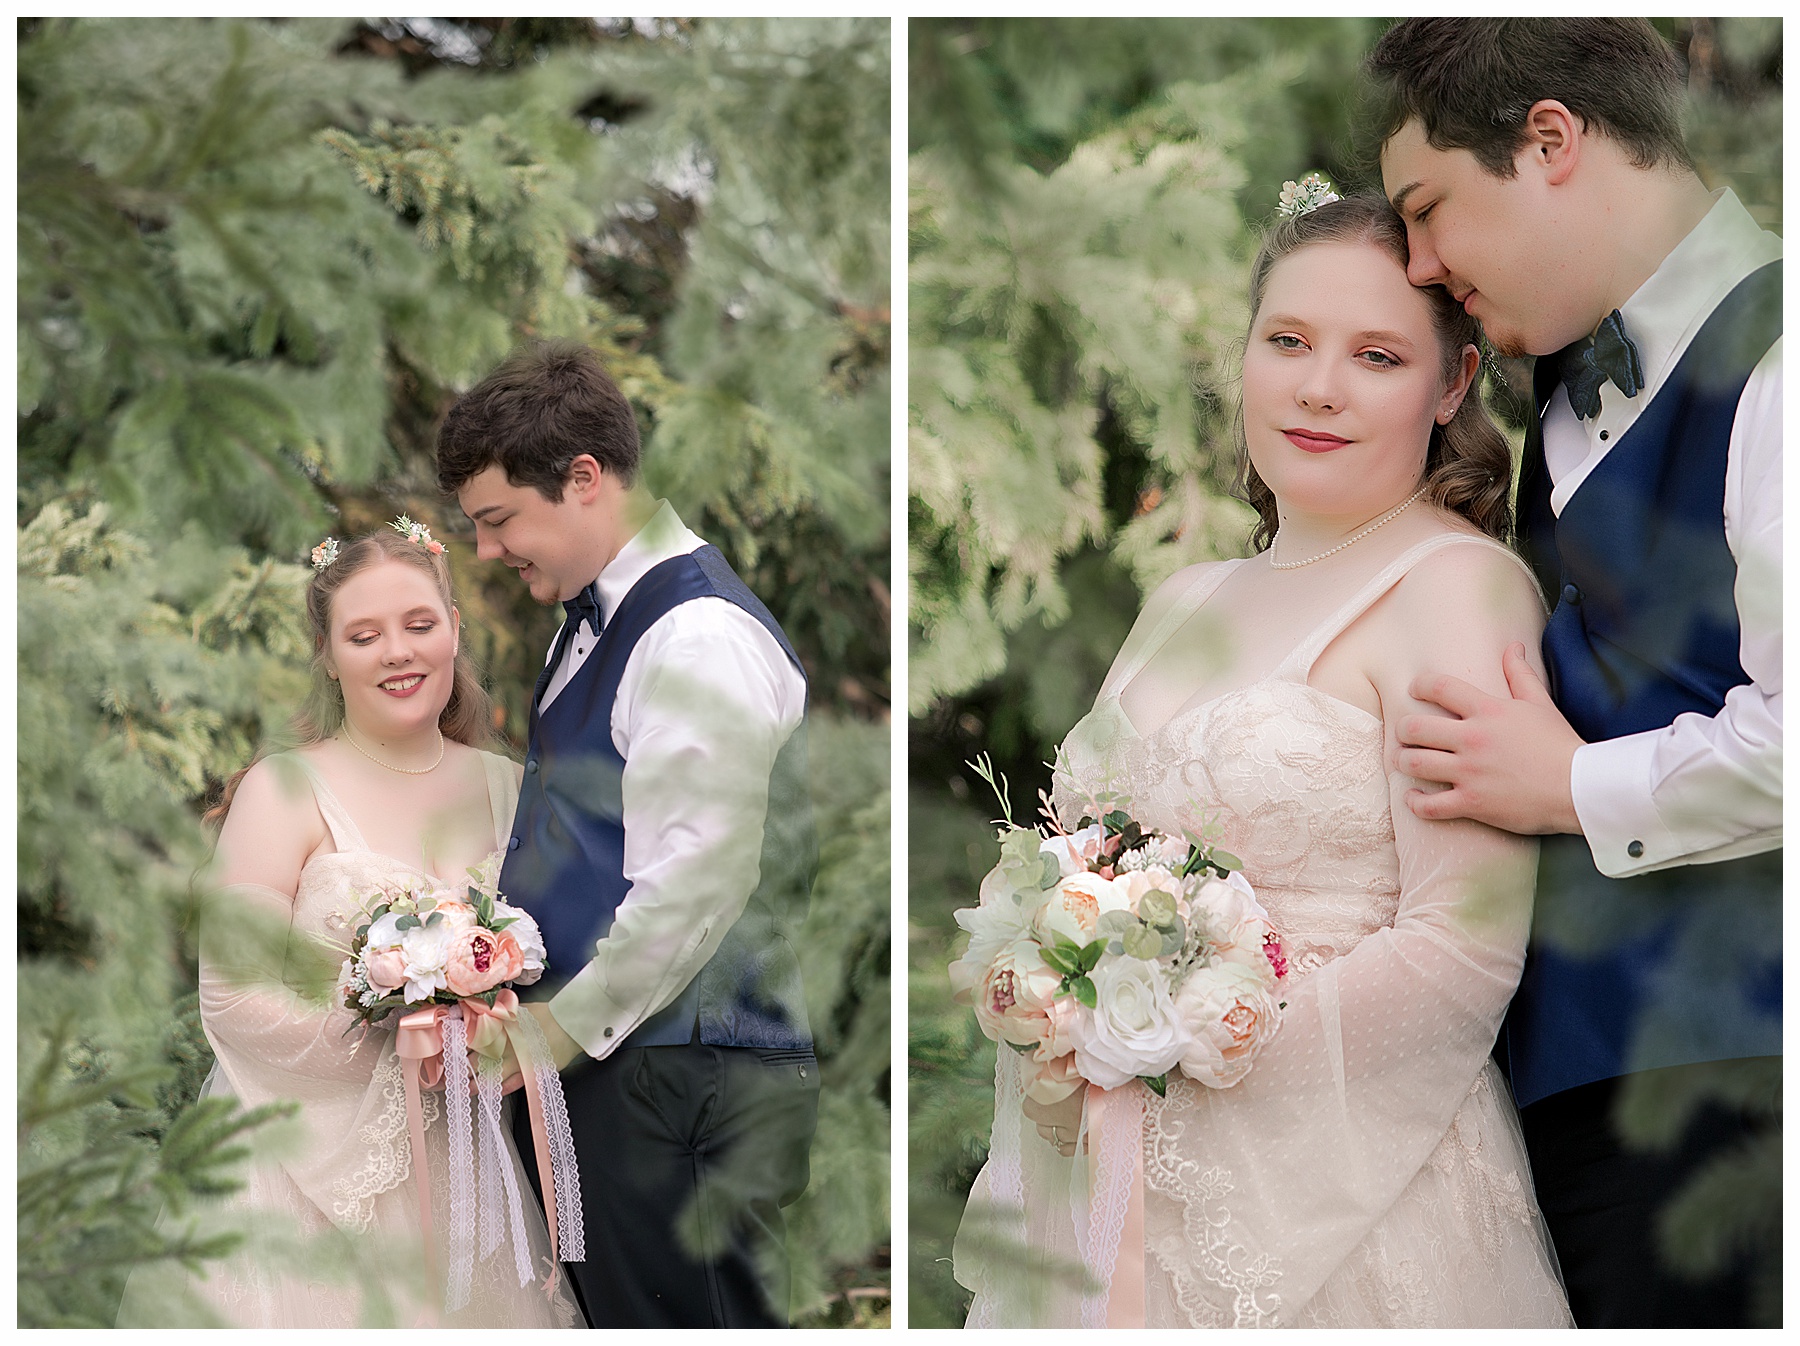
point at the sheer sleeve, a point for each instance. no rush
(1287, 1172)
(275, 1042)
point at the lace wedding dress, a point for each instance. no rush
(1368, 1171)
(333, 1214)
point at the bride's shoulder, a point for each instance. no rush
(1470, 570)
(1167, 594)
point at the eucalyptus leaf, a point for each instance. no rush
(1115, 923)
(1143, 941)
(407, 923)
(1225, 860)
(1051, 873)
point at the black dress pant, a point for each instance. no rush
(1602, 1202)
(687, 1156)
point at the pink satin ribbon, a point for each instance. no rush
(1109, 1110)
(420, 1045)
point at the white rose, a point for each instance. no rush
(531, 941)
(1074, 851)
(1228, 1013)
(427, 949)
(1132, 1030)
(1075, 906)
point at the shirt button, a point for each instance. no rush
(607, 1033)
(1571, 595)
(513, 844)
(1635, 849)
(531, 766)
(1605, 435)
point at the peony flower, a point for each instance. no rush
(385, 969)
(1050, 1079)
(530, 938)
(1140, 882)
(1077, 850)
(1014, 994)
(457, 915)
(481, 959)
(1132, 1030)
(1076, 905)
(1228, 1012)
(1237, 928)
(427, 949)
(992, 927)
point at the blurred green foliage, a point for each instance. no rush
(1084, 198)
(257, 260)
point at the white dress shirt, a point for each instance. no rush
(707, 700)
(1707, 787)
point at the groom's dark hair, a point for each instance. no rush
(1470, 83)
(539, 409)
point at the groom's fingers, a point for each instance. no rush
(1522, 679)
(1423, 764)
(1461, 699)
(1432, 731)
(1439, 805)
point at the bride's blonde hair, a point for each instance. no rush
(466, 718)
(1468, 466)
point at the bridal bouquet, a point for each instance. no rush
(421, 942)
(1115, 952)
(447, 964)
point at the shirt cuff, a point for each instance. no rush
(1610, 784)
(587, 1014)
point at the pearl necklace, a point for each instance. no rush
(1393, 513)
(403, 770)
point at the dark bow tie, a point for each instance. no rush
(1590, 362)
(584, 604)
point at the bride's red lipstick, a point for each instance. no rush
(1314, 441)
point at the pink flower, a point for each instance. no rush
(386, 969)
(458, 915)
(1013, 997)
(1277, 958)
(480, 960)
(1229, 1015)
(1050, 1079)
(435, 548)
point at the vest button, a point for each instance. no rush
(531, 766)
(1635, 850)
(1571, 595)
(513, 844)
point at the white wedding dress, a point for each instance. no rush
(1368, 1172)
(333, 1214)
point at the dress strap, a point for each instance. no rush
(345, 834)
(1297, 666)
(1184, 607)
(503, 794)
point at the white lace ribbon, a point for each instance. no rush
(565, 1175)
(460, 1241)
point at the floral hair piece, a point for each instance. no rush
(419, 533)
(1311, 192)
(325, 553)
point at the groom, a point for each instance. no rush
(1540, 170)
(664, 844)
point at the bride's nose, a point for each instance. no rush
(1318, 391)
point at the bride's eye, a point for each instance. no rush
(1381, 359)
(1287, 341)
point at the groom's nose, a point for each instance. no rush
(1422, 264)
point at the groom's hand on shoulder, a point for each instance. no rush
(1506, 760)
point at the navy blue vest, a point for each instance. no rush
(1681, 965)
(565, 863)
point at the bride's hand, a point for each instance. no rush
(1058, 1123)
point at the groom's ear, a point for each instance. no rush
(1553, 137)
(584, 480)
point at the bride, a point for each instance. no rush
(1368, 1171)
(386, 788)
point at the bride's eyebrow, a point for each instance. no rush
(1386, 338)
